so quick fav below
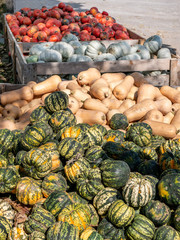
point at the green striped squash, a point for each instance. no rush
(76, 198)
(57, 201)
(69, 147)
(9, 177)
(90, 234)
(63, 230)
(39, 220)
(154, 181)
(28, 191)
(56, 101)
(176, 219)
(61, 119)
(20, 157)
(7, 211)
(95, 136)
(6, 139)
(100, 128)
(53, 182)
(36, 235)
(148, 153)
(169, 189)
(170, 160)
(156, 141)
(166, 233)
(5, 228)
(158, 212)
(37, 163)
(94, 216)
(115, 173)
(95, 155)
(149, 167)
(75, 167)
(141, 228)
(137, 192)
(18, 232)
(114, 136)
(89, 183)
(39, 114)
(129, 145)
(109, 231)
(3, 161)
(77, 214)
(103, 200)
(84, 126)
(171, 145)
(16, 142)
(131, 158)
(118, 121)
(36, 135)
(120, 214)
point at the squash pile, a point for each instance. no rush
(80, 181)
(70, 49)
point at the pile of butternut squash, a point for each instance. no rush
(95, 98)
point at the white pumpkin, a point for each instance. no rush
(95, 48)
(69, 37)
(105, 57)
(80, 50)
(75, 44)
(65, 49)
(38, 48)
(50, 55)
(79, 58)
(164, 53)
(133, 56)
(153, 44)
(119, 49)
(143, 52)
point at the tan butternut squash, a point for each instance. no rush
(31, 84)
(67, 91)
(112, 103)
(175, 107)
(121, 90)
(78, 119)
(24, 93)
(85, 89)
(111, 113)
(88, 77)
(163, 104)
(147, 91)
(162, 129)
(138, 79)
(132, 94)
(176, 120)
(1, 108)
(139, 110)
(126, 104)
(178, 88)
(171, 93)
(48, 85)
(20, 103)
(72, 86)
(95, 104)
(12, 111)
(91, 117)
(80, 95)
(7, 124)
(73, 104)
(154, 115)
(25, 116)
(168, 117)
(100, 90)
(112, 85)
(30, 105)
(113, 77)
(62, 85)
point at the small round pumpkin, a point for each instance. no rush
(39, 114)
(118, 121)
(5, 228)
(176, 219)
(90, 234)
(164, 53)
(50, 55)
(36, 235)
(166, 233)
(95, 48)
(7, 211)
(153, 43)
(95, 155)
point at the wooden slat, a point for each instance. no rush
(5, 87)
(175, 72)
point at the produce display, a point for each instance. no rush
(95, 157)
(70, 49)
(41, 25)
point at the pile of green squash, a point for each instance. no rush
(83, 182)
(70, 49)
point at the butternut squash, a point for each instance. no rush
(11, 111)
(80, 95)
(67, 91)
(162, 129)
(62, 85)
(1, 108)
(111, 113)
(7, 124)
(113, 77)
(85, 89)
(126, 104)
(113, 84)
(72, 86)
(88, 77)
(147, 91)
(171, 93)
(30, 105)
(44, 96)
(163, 104)
(176, 120)
(95, 104)
(168, 117)
(132, 94)
(121, 90)
(178, 88)
(31, 84)
(73, 104)
(154, 115)
(25, 116)
(20, 103)
(24, 93)
(48, 85)
(175, 107)
(139, 110)
(138, 79)
(100, 90)
(91, 116)
(112, 103)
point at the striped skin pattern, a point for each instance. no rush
(109, 231)
(76, 198)
(95, 155)
(153, 180)
(6, 139)
(39, 114)
(169, 145)
(69, 147)
(61, 119)
(118, 121)
(103, 200)
(169, 189)
(7, 211)
(63, 230)
(9, 178)
(35, 135)
(176, 219)
(39, 220)
(95, 138)
(57, 201)
(148, 153)
(28, 191)
(18, 232)
(166, 233)
(149, 167)
(56, 101)
(169, 160)
(37, 236)
(5, 228)
(37, 163)
(90, 234)
(89, 183)
(114, 136)
(120, 214)
(3, 161)
(77, 214)
(53, 182)
(137, 192)
(75, 167)
(159, 213)
(100, 128)
(141, 228)
(94, 216)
